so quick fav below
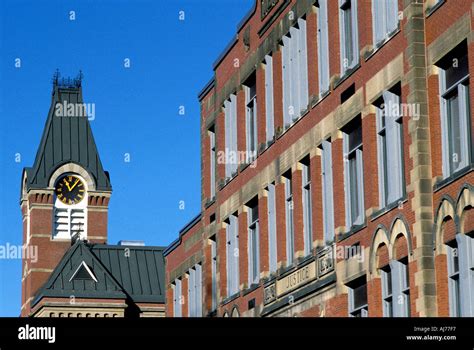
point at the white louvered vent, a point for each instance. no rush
(61, 223)
(69, 223)
(77, 222)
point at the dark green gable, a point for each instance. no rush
(134, 273)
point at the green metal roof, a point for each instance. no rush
(66, 139)
(135, 273)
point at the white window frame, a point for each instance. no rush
(232, 256)
(251, 122)
(385, 20)
(212, 162)
(396, 302)
(400, 288)
(295, 64)
(454, 283)
(465, 251)
(230, 111)
(354, 35)
(327, 191)
(461, 87)
(323, 48)
(177, 296)
(307, 208)
(272, 236)
(269, 102)
(356, 311)
(390, 150)
(198, 290)
(191, 292)
(387, 292)
(253, 246)
(195, 291)
(290, 230)
(213, 243)
(357, 154)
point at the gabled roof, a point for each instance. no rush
(66, 139)
(140, 270)
(122, 272)
(60, 284)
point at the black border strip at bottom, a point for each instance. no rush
(98, 333)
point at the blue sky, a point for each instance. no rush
(137, 108)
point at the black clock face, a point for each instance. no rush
(70, 190)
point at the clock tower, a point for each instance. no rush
(65, 194)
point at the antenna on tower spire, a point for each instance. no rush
(68, 82)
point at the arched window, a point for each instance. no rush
(235, 312)
(70, 207)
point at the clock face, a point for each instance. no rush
(70, 190)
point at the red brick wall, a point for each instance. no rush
(374, 297)
(50, 252)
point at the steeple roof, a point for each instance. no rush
(67, 137)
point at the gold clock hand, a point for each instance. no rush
(77, 181)
(67, 184)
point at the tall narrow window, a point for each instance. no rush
(307, 207)
(349, 35)
(390, 148)
(269, 109)
(212, 161)
(251, 118)
(328, 194)
(272, 238)
(353, 171)
(455, 110)
(385, 19)
(387, 292)
(198, 290)
(191, 293)
(465, 266)
(232, 255)
(214, 271)
(453, 280)
(460, 256)
(295, 73)
(323, 47)
(396, 289)
(253, 242)
(231, 161)
(401, 287)
(290, 234)
(303, 89)
(177, 310)
(358, 306)
(195, 291)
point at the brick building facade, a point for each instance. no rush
(337, 161)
